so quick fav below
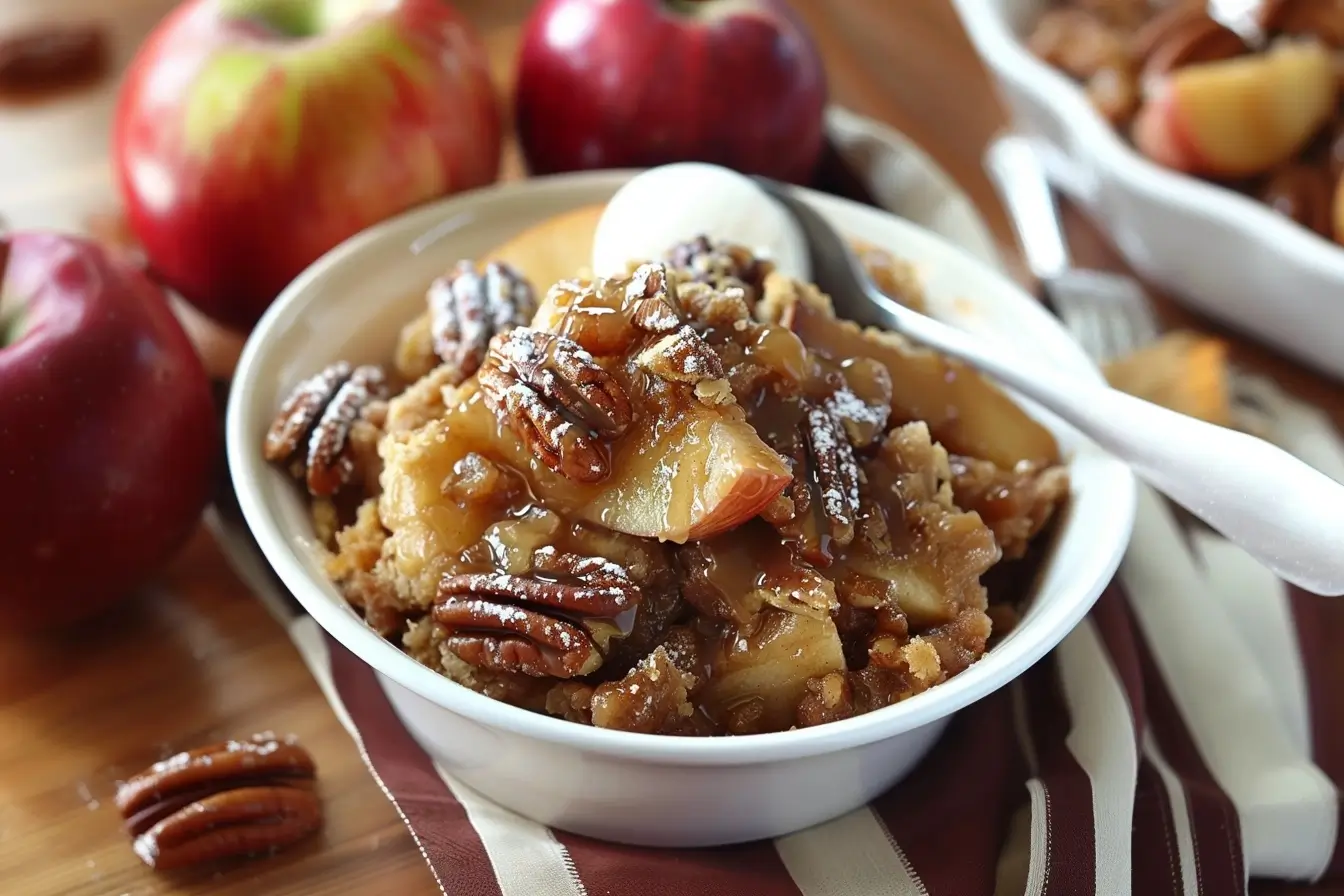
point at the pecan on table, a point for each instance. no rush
(467, 307)
(226, 800)
(821, 504)
(557, 399)
(720, 264)
(651, 299)
(512, 623)
(312, 429)
(51, 56)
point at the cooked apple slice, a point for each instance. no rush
(1238, 117)
(694, 475)
(915, 549)
(555, 249)
(965, 412)
(760, 671)
(703, 474)
(590, 313)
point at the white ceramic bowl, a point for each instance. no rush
(611, 784)
(1221, 252)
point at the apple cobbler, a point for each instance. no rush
(687, 501)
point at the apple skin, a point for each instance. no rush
(1238, 117)
(639, 83)
(108, 431)
(243, 152)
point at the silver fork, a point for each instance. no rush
(1109, 314)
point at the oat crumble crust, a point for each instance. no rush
(791, 529)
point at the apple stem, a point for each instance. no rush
(690, 8)
(291, 18)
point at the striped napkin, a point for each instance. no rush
(1186, 738)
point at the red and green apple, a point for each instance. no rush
(251, 136)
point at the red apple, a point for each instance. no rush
(252, 136)
(108, 434)
(638, 83)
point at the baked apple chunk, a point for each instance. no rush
(684, 501)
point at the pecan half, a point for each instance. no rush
(225, 800)
(244, 822)
(861, 401)
(504, 622)
(468, 307)
(51, 56)
(322, 410)
(823, 499)
(552, 393)
(837, 472)
(651, 299)
(720, 264)
(682, 357)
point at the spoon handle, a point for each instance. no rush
(1282, 511)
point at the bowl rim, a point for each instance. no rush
(251, 477)
(987, 24)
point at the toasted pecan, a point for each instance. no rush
(220, 801)
(312, 428)
(558, 400)
(467, 307)
(505, 622)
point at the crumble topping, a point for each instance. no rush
(685, 502)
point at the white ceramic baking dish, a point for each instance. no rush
(618, 785)
(1222, 253)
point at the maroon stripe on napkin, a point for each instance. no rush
(436, 820)
(951, 814)
(1071, 846)
(1156, 858)
(1111, 619)
(1214, 823)
(1320, 638)
(753, 868)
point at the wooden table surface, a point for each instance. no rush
(195, 657)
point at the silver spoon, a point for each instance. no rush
(1280, 510)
